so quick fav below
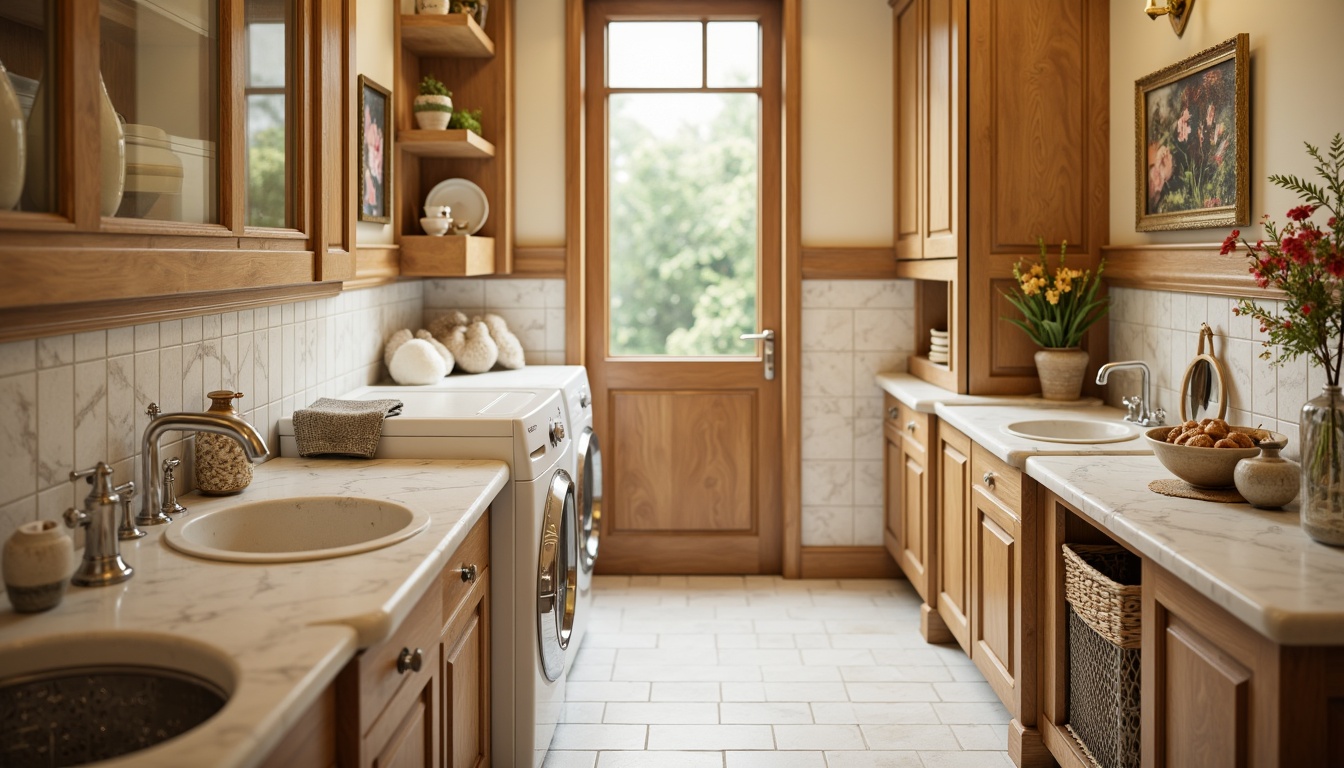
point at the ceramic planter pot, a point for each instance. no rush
(1061, 372)
(429, 115)
(39, 559)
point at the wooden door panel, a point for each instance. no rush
(412, 745)
(993, 563)
(913, 539)
(466, 695)
(954, 468)
(697, 478)
(894, 493)
(909, 37)
(944, 71)
(1206, 705)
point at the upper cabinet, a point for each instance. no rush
(171, 156)
(1001, 137)
(474, 60)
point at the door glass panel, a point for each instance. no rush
(267, 103)
(27, 173)
(159, 67)
(655, 54)
(734, 56)
(683, 183)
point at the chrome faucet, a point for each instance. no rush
(102, 564)
(151, 470)
(1137, 406)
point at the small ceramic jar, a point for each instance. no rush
(39, 559)
(222, 469)
(1268, 481)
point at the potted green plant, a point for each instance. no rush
(434, 106)
(468, 120)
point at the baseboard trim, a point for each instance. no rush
(848, 563)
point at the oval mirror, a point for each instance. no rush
(1204, 391)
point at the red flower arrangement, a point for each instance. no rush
(1306, 262)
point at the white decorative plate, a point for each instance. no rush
(465, 198)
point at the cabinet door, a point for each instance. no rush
(914, 524)
(908, 76)
(954, 464)
(466, 681)
(995, 594)
(893, 496)
(413, 741)
(944, 186)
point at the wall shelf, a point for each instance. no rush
(448, 143)
(447, 256)
(453, 34)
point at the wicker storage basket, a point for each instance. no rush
(1103, 625)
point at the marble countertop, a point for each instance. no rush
(288, 628)
(1259, 565)
(922, 396)
(984, 425)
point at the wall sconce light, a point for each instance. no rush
(1178, 11)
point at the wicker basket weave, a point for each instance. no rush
(1092, 584)
(1103, 615)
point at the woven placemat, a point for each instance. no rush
(1184, 490)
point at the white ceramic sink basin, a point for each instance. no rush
(295, 529)
(1072, 430)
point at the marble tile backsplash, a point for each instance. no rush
(534, 310)
(1162, 329)
(852, 329)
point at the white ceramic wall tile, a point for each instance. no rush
(55, 424)
(828, 526)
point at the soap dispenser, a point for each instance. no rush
(221, 466)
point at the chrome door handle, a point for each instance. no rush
(767, 336)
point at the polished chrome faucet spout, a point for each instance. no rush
(1139, 408)
(151, 472)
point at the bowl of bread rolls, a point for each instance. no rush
(1205, 453)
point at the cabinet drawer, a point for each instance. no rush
(1000, 480)
(378, 678)
(913, 425)
(475, 550)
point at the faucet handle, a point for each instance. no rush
(127, 531)
(153, 411)
(1132, 405)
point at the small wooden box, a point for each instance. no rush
(447, 256)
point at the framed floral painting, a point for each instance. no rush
(1193, 151)
(375, 161)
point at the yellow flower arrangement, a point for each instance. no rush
(1057, 309)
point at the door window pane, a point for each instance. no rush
(683, 187)
(654, 54)
(734, 56)
(266, 90)
(27, 167)
(159, 66)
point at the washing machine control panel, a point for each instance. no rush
(557, 432)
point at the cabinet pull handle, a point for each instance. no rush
(893, 414)
(408, 659)
(989, 479)
(468, 573)
(910, 427)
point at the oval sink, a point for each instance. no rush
(295, 529)
(86, 698)
(1072, 430)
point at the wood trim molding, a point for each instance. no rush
(791, 448)
(375, 265)
(848, 263)
(539, 261)
(847, 563)
(34, 322)
(576, 233)
(1192, 268)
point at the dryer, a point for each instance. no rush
(572, 381)
(534, 558)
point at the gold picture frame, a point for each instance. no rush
(374, 126)
(1192, 141)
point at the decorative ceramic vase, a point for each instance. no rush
(1061, 372)
(432, 111)
(12, 161)
(222, 468)
(39, 559)
(1268, 481)
(1322, 428)
(113, 145)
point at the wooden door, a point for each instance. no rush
(688, 416)
(406, 734)
(910, 97)
(954, 467)
(943, 57)
(894, 493)
(994, 594)
(466, 681)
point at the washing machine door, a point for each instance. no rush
(590, 497)
(557, 574)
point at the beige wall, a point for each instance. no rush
(539, 122)
(1295, 82)
(374, 58)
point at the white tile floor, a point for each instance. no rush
(763, 672)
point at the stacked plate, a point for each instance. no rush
(937, 346)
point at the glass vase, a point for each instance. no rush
(1323, 467)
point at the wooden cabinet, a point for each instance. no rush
(476, 65)
(422, 696)
(196, 227)
(953, 537)
(1012, 137)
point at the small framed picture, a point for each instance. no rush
(1193, 143)
(375, 157)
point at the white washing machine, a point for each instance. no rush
(572, 380)
(534, 556)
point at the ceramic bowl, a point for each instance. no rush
(435, 225)
(1205, 467)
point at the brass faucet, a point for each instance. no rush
(151, 470)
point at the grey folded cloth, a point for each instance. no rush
(342, 427)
